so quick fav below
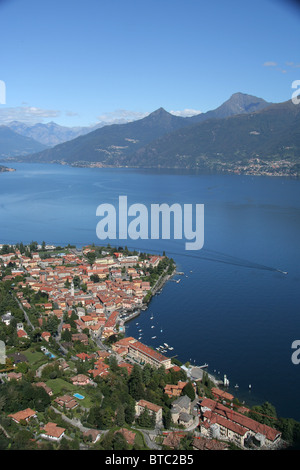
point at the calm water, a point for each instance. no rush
(231, 309)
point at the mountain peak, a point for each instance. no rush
(159, 112)
(244, 97)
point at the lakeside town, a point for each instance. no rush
(260, 167)
(72, 379)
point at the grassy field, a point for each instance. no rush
(61, 387)
(36, 358)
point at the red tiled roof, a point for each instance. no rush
(149, 405)
(148, 351)
(24, 414)
(239, 419)
(53, 430)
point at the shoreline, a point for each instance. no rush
(203, 171)
(144, 307)
(160, 284)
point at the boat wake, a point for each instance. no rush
(219, 257)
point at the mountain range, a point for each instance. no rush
(13, 144)
(244, 134)
(51, 134)
(111, 144)
(268, 139)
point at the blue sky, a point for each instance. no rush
(76, 62)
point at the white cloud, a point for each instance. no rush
(270, 64)
(121, 115)
(26, 114)
(186, 112)
(292, 64)
(71, 113)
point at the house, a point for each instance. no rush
(66, 401)
(202, 443)
(92, 434)
(81, 380)
(181, 411)
(52, 431)
(146, 355)
(109, 327)
(172, 439)
(63, 365)
(128, 435)
(22, 334)
(123, 345)
(88, 320)
(219, 421)
(100, 369)
(46, 336)
(84, 356)
(45, 387)
(14, 376)
(7, 318)
(95, 329)
(82, 337)
(143, 404)
(221, 394)
(126, 366)
(174, 390)
(23, 415)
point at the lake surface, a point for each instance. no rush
(231, 309)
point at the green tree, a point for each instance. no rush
(130, 411)
(135, 384)
(189, 391)
(265, 413)
(120, 416)
(146, 419)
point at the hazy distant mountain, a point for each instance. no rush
(110, 144)
(13, 144)
(51, 134)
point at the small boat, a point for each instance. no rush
(153, 337)
(152, 326)
(166, 345)
(236, 386)
(171, 348)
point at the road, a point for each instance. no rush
(23, 310)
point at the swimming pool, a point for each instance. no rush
(77, 395)
(50, 355)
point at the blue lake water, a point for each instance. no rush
(232, 309)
